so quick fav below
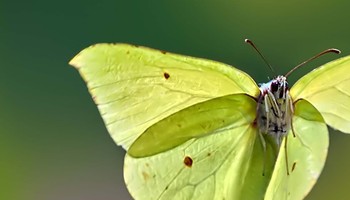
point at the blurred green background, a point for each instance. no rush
(53, 143)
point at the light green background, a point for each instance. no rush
(53, 143)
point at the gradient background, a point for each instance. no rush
(53, 143)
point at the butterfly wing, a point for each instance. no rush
(328, 89)
(135, 87)
(205, 118)
(225, 161)
(306, 156)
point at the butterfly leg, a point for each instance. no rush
(289, 107)
(267, 110)
(292, 128)
(263, 143)
(274, 104)
(286, 153)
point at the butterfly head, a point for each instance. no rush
(277, 86)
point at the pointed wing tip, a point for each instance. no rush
(77, 60)
(74, 63)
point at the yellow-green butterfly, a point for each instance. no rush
(200, 129)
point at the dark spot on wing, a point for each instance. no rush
(145, 176)
(208, 154)
(188, 161)
(293, 166)
(166, 75)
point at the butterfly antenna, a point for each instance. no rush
(256, 49)
(332, 50)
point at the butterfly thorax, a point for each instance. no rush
(274, 112)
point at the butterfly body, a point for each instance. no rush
(275, 109)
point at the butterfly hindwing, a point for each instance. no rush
(225, 164)
(193, 170)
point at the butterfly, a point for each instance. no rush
(199, 129)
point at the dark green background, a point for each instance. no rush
(53, 143)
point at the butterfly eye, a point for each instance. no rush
(274, 87)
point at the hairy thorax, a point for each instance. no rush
(275, 109)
